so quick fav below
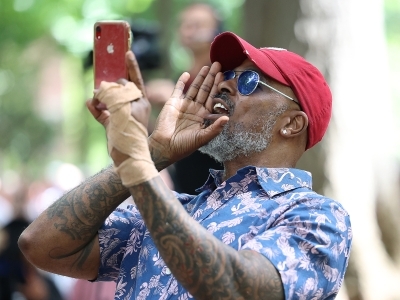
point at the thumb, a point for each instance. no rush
(91, 105)
(100, 115)
(213, 130)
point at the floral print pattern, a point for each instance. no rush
(306, 236)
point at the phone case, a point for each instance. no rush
(112, 39)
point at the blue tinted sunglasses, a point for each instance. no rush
(248, 81)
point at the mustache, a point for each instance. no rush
(224, 96)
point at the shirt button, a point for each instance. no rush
(167, 271)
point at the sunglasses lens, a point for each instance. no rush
(247, 82)
(228, 75)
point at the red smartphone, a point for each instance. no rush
(112, 39)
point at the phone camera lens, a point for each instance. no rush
(98, 32)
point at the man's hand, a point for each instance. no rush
(140, 109)
(180, 128)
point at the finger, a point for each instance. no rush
(214, 91)
(134, 71)
(196, 84)
(122, 81)
(91, 105)
(99, 114)
(208, 83)
(180, 85)
(212, 131)
(101, 106)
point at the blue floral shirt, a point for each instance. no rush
(306, 236)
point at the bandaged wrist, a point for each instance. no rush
(133, 172)
(126, 134)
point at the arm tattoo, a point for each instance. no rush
(205, 266)
(81, 211)
(160, 161)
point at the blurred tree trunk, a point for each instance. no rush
(354, 163)
(362, 160)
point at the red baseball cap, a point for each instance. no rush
(288, 68)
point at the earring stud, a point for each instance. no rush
(284, 131)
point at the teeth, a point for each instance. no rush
(219, 105)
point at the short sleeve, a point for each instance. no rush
(309, 244)
(120, 236)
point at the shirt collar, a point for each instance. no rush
(273, 180)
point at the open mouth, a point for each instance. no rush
(221, 108)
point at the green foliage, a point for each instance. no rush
(33, 32)
(392, 24)
(24, 135)
(392, 21)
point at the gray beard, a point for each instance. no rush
(235, 140)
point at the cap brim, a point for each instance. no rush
(230, 51)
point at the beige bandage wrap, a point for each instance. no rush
(126, 134)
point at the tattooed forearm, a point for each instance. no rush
(205, 266)
(81, 211)
(84, 255)
(63, 239)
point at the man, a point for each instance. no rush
(255, 231)
(199, 24)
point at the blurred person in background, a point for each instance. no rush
(86, 290)
(257, 230)
(199, 23)
(19, 279)
(6, 211)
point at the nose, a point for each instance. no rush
(228, 86)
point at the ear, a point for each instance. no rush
(294, 124)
